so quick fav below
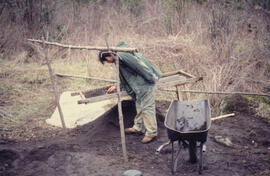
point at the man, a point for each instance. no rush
(137, 77)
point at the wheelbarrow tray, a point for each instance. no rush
(188, 117)
(188, 121)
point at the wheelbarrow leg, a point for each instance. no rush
(177, 157)
(172, 156)
(201, 158)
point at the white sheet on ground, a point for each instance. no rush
(78, 114)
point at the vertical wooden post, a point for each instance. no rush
(45, 48)
(179, 93)
(120, 114)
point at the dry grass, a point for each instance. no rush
(27, 98)
(225, 45)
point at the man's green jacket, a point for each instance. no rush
(137, 74)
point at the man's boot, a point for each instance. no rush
(147, 139)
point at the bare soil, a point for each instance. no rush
(95, 149)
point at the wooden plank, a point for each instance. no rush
(178, 72)
(186, 74)
(85, 47)
(171, 78)
(102, 97)
(178, 82)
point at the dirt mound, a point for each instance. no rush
(95, 149)
(235, 103)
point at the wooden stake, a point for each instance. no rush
(120, 114)
(179, 93)
(45, 47)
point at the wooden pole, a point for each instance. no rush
(85, 77)
(85, 47)
(120, 114)
(45, 47)
(179, 93)
(220, 92)
(223, 116)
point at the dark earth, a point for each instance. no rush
(95, 150)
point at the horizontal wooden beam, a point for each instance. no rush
(84, 77)
(85, 47)
(219, 92)
(123, 93)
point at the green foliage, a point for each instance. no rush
(254, 99)
(233, 103)
(60, 33)
(252, 132)
(244, 4)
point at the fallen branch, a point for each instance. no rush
(85, 47)
(84, 77)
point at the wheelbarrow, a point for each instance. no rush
(188, 122)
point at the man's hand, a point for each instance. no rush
(111, 89)
(155, 79)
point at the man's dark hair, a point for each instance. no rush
(103, 54)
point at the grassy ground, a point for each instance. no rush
(27, 98)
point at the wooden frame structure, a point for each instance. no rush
(168, 80)
(113, 49)
(118, 94)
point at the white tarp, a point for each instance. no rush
(78, 114)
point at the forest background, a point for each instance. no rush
(226, 41)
